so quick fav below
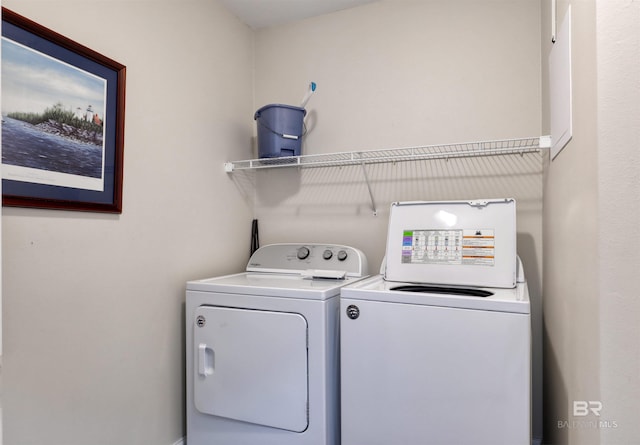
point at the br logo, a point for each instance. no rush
(582, 408)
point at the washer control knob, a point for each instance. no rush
(327, 254)
(342, 255)
(353, 311)
(303, 253)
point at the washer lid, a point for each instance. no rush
(471, 243)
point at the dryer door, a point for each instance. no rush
(251, 365)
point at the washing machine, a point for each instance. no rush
(436, 350)
(262, 348)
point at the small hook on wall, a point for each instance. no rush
(553, 21)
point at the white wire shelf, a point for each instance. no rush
(447, 151)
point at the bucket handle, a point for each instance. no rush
(284, 135)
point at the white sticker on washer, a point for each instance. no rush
(478, 247)
(452, 247)
(432, 247)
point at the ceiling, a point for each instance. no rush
(265, 13)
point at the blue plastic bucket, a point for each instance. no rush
(280, 130)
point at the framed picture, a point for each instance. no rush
(62, 121)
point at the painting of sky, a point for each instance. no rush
(33, 81)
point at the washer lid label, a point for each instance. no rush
(478, 247)
(452, 247)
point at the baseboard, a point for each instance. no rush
(183, 441)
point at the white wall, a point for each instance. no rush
(393, 74)
(592, 240)
(571, 348)
(93, 303)
(618, 49)
(402, 73)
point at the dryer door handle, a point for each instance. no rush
(205, 360)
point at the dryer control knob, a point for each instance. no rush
(342, 255)
(327, 254)
(303, 253)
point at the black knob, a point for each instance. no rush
(303, 253)
(353, 311)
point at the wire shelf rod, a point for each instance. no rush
(403, 154)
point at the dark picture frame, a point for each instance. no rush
(55, 156)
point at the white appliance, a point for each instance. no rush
(437, 349)
(263, 348)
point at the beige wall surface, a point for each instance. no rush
(591, 235)
(571, 348)
(396, 74)
(618, 49)
(93, 303)
(405, 73)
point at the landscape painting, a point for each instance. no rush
(62, 121)
(52, 120)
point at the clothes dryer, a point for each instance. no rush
(437, 349)
(263, 348)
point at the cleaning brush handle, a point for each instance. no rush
(307, 96)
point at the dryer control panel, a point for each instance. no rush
(325, 260)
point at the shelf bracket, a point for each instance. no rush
(366, 178)
(545, 141)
